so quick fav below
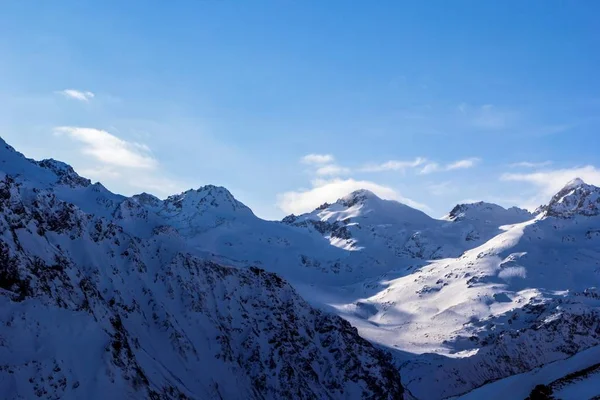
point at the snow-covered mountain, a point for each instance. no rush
(522, 299)
(144, 297)
(391, 230)
(91, 310)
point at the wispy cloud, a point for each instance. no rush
(547, 183)
(466, 163)
(527, 164)
(463, 164)
(108, 148)
(490, 117)
(77, 94)
(393, 165)
(317, 159)
(430, 168)
(128, 167)
(333, 170)
(487, 116)
(301, 201)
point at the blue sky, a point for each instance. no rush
(431, 103)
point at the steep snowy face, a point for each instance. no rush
(576, 198)
(90, 310)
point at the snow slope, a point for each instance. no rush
(578, 387)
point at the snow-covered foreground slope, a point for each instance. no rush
(90, 310)
(576, 378)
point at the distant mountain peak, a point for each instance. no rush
(359, 196)
(65, 173)
(574, 183)
(485, 210)
(575, 198)
(208, 196)
(47, 172)
(215, 190)
(146, 199)
(7, 146)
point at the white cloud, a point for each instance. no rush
(548, 183)
(393, 165)
(77, 94)
(333, 170)
(459, 164)
(317, 159)
(430, 168)
(110, 149)
(553, 180)
(463, 164)
(298, 202)
(527, 164)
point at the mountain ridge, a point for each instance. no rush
(443, 296)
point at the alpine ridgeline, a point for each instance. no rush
(188, 297)
(101, 298)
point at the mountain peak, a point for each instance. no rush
(208, 197)
(65, 173)
(574, 183)
(46, 172)
(482, 210)
(146, 199)
(215, 190)
(575, 198)
(358, 197)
